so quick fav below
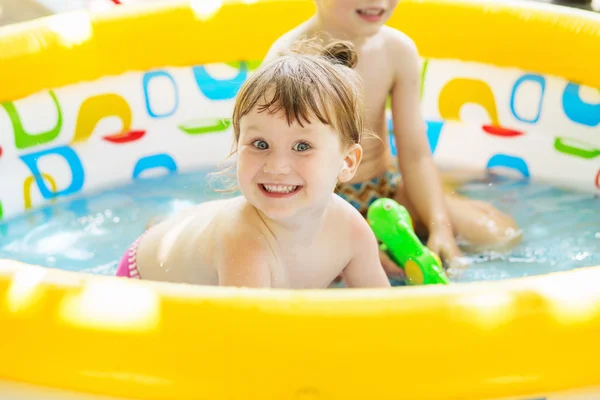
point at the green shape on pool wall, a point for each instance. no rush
(576, 147)
(423, 75)
(24, 139)
(1, 212)
(205, 125)
(251, 65)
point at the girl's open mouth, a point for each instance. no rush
(371, 14)
(279, 190)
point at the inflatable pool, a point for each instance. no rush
(93, 101)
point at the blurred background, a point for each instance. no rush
(12, 11)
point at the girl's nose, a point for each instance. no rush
(277, 163)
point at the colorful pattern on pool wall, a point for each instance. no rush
(84, 137)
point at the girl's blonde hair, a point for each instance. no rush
(309, 81)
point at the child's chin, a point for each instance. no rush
(371, 30)
(279, 214)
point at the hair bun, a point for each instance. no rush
(341, 52)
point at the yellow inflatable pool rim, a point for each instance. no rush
(97, 335)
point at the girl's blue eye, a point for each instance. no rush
(260, 144)
(301, 146)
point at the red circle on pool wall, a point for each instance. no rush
(0, 151)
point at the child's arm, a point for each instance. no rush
(422, 184)
(364, 269)
(244, 261)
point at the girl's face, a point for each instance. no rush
(285, 170)
(356, 18)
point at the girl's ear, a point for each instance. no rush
(351, 162)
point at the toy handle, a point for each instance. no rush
(393, 227)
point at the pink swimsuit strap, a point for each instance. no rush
(128, 265)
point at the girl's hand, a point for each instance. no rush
(441, 241)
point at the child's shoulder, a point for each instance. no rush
(236, 219)
(401, 54)
(287, 40)
(243, 248)
(398, 43)
(350, 220)
(223, 219)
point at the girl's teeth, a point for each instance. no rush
(280, 188)
(371, 11)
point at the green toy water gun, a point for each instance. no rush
(393, 227)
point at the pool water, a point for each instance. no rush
(561, 229)
(90, 234)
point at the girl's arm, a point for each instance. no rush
(422, 183)
(364, 269)
(244, 261)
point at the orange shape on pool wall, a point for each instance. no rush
(500, 131)
(461, 91)
(96, 108)
(125, 137)
(598, 179)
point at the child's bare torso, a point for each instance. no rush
(185, 248)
